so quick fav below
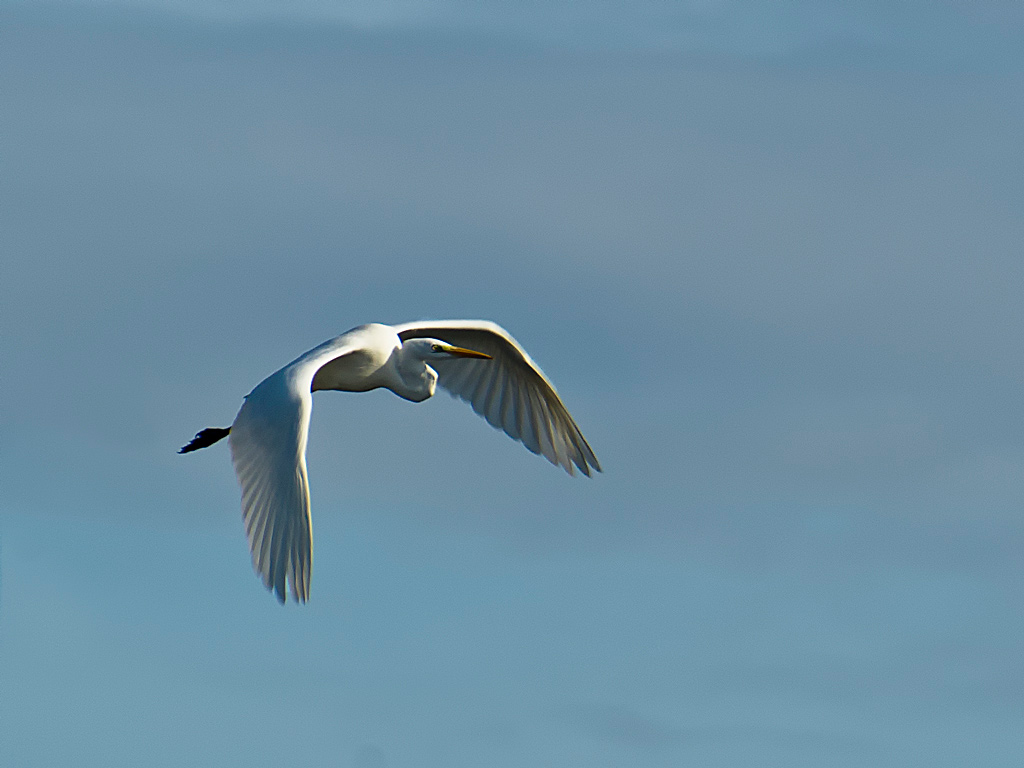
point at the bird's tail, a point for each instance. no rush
(205, 438)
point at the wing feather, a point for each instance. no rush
(268, 449)
(547, 447)
(510, 391)
(491, 395)
(482, 375)
(494, 400)
(528, 422)
(510, 411)
(268, 446)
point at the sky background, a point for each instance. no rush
(770, 253)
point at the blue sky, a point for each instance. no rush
(770, 255)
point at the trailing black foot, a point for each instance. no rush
(207, 437)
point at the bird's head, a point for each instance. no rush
(415, 366)
(435, 349)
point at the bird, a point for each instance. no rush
(475, 360)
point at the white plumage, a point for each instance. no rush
(476, 360)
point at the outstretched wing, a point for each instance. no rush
(510, 390)
(268, 448)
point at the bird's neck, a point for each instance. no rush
(412, 378)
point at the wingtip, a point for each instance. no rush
(282, 598)
(586, 466)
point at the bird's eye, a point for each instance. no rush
(436, 348)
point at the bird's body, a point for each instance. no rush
(369, 357)
(268, 436)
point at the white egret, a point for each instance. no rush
(472, 359)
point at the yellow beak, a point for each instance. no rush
(462, 352)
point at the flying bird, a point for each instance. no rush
(475, 360)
